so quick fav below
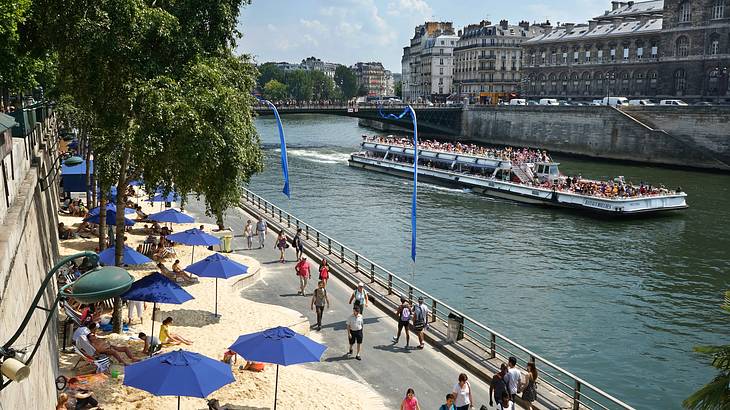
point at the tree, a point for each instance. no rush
(362, 91)
(716, 393)
(346, 81)
(322, 86)
(274, 90)
(398, 89)
(168, 98)
(300, 85)
(268, 72)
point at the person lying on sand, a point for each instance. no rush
(103, 346)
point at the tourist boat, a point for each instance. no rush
(533, 182)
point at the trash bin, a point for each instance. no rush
(455, 328)
(227, 243)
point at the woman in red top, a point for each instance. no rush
(324, 271)
(410, 402)
(302, 269)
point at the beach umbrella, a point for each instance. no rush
(171, 215)
(156, 288)
(137, 182)
(217, 266)
(178, 373)
(111, 219)
(129, 256)
(110, 207)
(279, 346)
(194, 237)
(161, 197)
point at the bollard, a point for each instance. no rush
(576, 396)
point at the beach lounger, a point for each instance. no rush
(72, 318)
(87, 354)
(148, 249)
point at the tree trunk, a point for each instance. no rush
(89, 188)
(122, 184)
(102, 219)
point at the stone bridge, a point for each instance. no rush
(438, 120)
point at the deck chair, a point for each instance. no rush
(87, 354)
(148, 249)
(72, 318)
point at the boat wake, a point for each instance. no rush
(321, 157)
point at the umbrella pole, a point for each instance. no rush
(192, 255)
(276, 386)
(178, 402)
(152, 332)
(216, 296)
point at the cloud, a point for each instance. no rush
(313, 25)
(409, 7)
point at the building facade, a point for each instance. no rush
(651, 49)
(488, 58)
(315, 64)
(427, 64)
(371, 77)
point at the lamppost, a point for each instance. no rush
(71, 161)
(98, 284)
(719, 74)
(610, 77)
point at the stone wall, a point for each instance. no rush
(682, 136)
(28, 249)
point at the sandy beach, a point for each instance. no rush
(299, 388)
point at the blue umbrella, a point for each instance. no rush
(171, 215)
(179, 373)
(194, 237)
(129, 256)
(161, 197)
(156, 288)
(111, 207)
(136, 182)
(111, 219)
(217, 266)
(278, 345)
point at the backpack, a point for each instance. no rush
(418, 315)
(405, 314)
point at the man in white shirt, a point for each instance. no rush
(354, 331)
(81, 331)
(151, 343)
(513, 377)
(261, 228)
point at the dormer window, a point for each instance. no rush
(685, 12)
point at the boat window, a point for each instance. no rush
(553, 170)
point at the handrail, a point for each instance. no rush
(576, 392)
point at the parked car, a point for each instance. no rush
(673, 102)
(641, 102)
(564, 103)
(704, 104)
(549, 101)
(518, 101)
(597, 102)
(615, 101)
(533, 102)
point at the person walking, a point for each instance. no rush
(513, 377)
(529, 389)
(281, 245)
(403, 313)
(324, 271)
(354, 331)
(261, 228)
(499, 385)
(319, 299)
(302, 269)
(449, 405)
(248, 233)
(360, 296)
(410, 402)
(298, 244)
(133, 305)
(420, 321)
(462, 394)
(505, 403)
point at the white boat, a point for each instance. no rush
(534, 182)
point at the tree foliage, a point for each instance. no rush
(268, 72)
(716, 393)
(323, 88)
(300, 85)
(346, 81)
(274, 90)
(398, 89)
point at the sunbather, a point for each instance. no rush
(179, 271)
(103, 346)
(173, 275)
(167, 337)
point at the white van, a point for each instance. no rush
(596, 102)
(673, 102)
(549, 101)
(615, 101)
(518, 101)
(641, 102)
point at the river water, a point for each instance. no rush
(618, 303)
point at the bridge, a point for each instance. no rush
(439, 120)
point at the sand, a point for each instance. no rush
(299, 388)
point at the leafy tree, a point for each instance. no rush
(716, 393)
(268, 72)
(398, 89)
(274, 90)
(346, 81)
(362, 91)
(300, 85)
(168, 98)
(322, 86)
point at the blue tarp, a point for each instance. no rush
(74, 178)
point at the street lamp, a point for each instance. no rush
(71, 161)
(98, 284)
(610, 77)
(719, 74)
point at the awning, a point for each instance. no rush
(74, 178)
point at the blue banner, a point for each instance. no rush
(282, 139)
(409, 110)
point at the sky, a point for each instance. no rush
(348, 31)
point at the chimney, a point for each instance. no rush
(568, 27)
(592, 24)
(631, 3)
(615, 5)
(525, 25)
(504, 24)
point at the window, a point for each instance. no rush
(640, 53)
(714, 47)
(682, 46)
(441, 71)
(575, 56)
(626, 53)
(680, 81)
(600, 56)
(718, 9)
(441, 61)
(685, 12)
(654, 51)
(613, 54)
(588, 57)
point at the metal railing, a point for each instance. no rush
(567, 387)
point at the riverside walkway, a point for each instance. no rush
(390, 369)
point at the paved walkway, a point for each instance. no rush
(386, 368)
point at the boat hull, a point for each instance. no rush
(526, 194)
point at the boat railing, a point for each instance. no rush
(570, 389)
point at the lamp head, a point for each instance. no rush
(73, 161)
(14, 369)
(100, 283)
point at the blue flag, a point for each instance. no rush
(282, 139)
(412, 112)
